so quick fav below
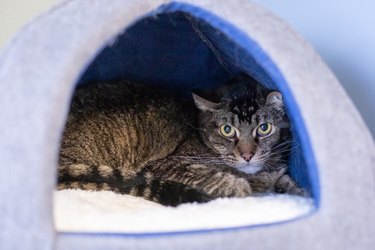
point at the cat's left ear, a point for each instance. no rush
(275, 98)
(204, 104)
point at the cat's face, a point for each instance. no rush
(247, 130)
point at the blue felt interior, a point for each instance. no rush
(184, 47)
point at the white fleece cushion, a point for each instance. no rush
(104, 211)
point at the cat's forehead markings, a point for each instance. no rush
(244, 111)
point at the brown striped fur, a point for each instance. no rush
(138, 140)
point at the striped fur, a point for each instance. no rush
(143, 141)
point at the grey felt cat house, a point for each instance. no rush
(182, 45)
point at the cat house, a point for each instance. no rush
(180, 45)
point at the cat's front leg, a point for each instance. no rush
(285, 184)
(275, 181)
(215, 181)
(264, 181)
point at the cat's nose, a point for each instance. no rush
(247, 156)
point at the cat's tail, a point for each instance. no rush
(137, 184)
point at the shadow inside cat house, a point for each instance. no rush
(174, 113)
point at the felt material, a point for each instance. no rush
(107, 212)
(39, 70)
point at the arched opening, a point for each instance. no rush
(176, 49)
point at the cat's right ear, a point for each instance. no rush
(204, 104)
(275, 98)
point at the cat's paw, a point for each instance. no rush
(286, 185)
(192, 195)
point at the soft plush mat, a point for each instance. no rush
(86, 211)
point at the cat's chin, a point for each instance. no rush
(247, 168)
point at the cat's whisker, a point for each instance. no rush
(277, 153)
(285, 147)
(270, 165)
(197, 157)
(284, 143)
(281, 147)
(282, 150)
(266, 167)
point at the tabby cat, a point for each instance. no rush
(134, 139)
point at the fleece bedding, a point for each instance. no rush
(108, 212)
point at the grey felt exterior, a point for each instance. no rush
(38, 71)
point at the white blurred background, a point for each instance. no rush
(342, 31)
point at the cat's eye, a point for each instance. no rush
(227, 131)
(264, 129)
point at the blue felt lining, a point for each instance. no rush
(155, 51)
(181, 46)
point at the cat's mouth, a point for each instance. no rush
(248, 167)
